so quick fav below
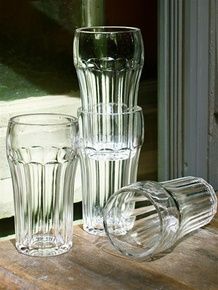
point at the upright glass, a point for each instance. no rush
(111, 137)
(41, 151)
(108, 61)
(146, 219)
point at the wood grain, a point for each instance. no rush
(94, 264)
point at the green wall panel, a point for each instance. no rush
(36, 56)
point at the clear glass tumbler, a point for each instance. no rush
(108, 61)
(111, 137)
(41, 151)
(146, 219)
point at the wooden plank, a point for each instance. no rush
(94, 264)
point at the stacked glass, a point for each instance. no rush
(142, 219)
(108, 61)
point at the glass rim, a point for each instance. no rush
(130, 189)
(133, 189)
(67, 119)
(127, 111)
(117, 29)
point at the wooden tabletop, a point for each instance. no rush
(94, 264)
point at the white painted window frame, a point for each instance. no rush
(184, 85)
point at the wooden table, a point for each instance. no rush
(94, 264)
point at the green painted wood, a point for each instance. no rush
(36, 55)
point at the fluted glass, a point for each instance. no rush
(42, 157)
(146, 219)
(111, 137)
(108, 62)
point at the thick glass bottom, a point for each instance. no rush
(43, 246)
(97, 231)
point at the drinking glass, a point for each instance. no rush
(108, 61)
(146, 219)
(41, 151)
(111, 137)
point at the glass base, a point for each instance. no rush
(97, 231)
(43, 246)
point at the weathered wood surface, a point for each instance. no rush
(94, 264)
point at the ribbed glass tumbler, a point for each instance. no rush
(146, 219)
(42, 157)
(111, 137)
(108, 61)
